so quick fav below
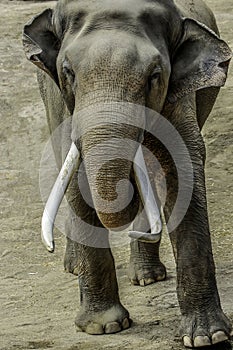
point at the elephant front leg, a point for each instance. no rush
(100, 308)
(203, 321)
(145, 266)
(89, 257)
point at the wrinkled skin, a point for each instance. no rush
(94, 53)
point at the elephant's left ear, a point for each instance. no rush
(41, 44)
(201, 60)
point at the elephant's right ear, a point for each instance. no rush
(41, 44)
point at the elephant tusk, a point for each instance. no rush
(149, 202)
(71, 163)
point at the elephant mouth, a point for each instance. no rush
(71, 164)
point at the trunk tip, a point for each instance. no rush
(145, 236)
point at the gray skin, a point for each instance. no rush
(93, 53)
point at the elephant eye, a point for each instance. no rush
(154, 78)
(155, 75)
(68, 72)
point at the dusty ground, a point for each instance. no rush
(38, 300)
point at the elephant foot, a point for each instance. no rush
(145, 266)
(110, 321)
(145, 275)
(205, 329)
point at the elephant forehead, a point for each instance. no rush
(130, 28)
(129, 6)
(119, 47)
(113, 52)
(130, 14)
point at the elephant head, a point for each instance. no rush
(106, 54)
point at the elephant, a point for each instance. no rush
(104, 67)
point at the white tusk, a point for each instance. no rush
(70, 165)
(149, 202)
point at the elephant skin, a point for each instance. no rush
(96, 61)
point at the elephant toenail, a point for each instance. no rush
(218, 337)
(112, 327)
(95, 329)
(161, 277)
(149, 281)
(200, 341)
(187, 342)
(78, 329)
(125, 323)
(142, 283)
(134, 282)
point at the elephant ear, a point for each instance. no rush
(201, 60)
(41, 44)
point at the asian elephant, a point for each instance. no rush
(102, 65)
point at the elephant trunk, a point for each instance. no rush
(109, 137)
(108, 166)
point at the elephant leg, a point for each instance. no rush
(100, 308)
(203, 321)
(89, 257)
(145, 266)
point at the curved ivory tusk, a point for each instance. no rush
(148, 200)
(70, 165)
